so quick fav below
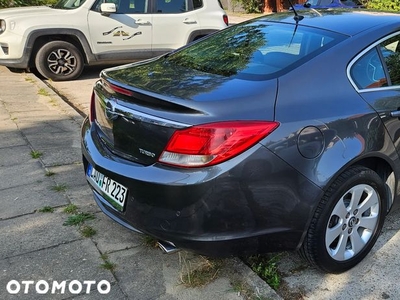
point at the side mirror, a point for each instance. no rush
(108, 8)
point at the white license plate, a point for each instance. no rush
(115, 193)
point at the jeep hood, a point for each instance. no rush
(36, 12)
(25, 12)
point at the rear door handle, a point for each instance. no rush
(189, 21)
(142, 22)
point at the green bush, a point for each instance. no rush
(16, 3)
(252, 6)
(387, 5)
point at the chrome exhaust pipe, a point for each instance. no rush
(167, 247)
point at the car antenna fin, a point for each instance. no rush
(296, 17)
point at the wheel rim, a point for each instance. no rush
(353, 222)
(61, 62)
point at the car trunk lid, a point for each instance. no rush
(139, 108)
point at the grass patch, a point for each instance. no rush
(107, 264)
(28, 79)
(49, 173)
(266, 267)
(43, 92)
(36, 154)
(149, 241)
(78, 219)
(87, 231)
(46, 209)
(199, 273)
(59, 188)
(71, 209)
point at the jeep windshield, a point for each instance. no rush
(68, 4)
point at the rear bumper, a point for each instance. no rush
(252, 203)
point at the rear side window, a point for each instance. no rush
(172, 6)
(199, 4)
(378, 67)
(256, 50)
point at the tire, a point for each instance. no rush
(342, 232)
(59, 61)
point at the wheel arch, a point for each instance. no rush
(38, 38)
(382, 167)
(385, 171)
(198, 34)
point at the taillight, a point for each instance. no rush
(112, 88)
(226, 20)
(210, 144)
(92, 112)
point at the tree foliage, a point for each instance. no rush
(385, 5)
(17, 3)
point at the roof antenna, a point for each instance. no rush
(297, 17)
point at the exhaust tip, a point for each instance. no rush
(167, 247)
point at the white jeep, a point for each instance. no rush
(59, 41)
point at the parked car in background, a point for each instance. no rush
(279, 133)
(330, 4)
(59, 41)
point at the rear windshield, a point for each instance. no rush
(256, 50)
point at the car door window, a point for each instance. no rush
(172, 6)
(391, 53)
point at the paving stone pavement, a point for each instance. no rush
(38, 252)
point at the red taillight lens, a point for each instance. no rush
(120, 90)
(210, 144)
(92, 111)
(226, 20)
(111, 88)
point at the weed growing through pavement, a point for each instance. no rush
(53, 102)
(59, 188)
(149, 241)
(43, 92)
(266, 267)
(71, 209)
(46, 209)
(78, 219)
(198, 273)
(49, 173)
(87, 231)
(36, 154)
(28, 79)
(107, 264)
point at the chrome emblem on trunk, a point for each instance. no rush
(110, 111)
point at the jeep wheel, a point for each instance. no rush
(347, 221)
(59, 61)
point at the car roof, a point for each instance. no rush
(346, 21)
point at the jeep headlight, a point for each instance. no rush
(2, 26)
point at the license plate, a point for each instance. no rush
(114, 192)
